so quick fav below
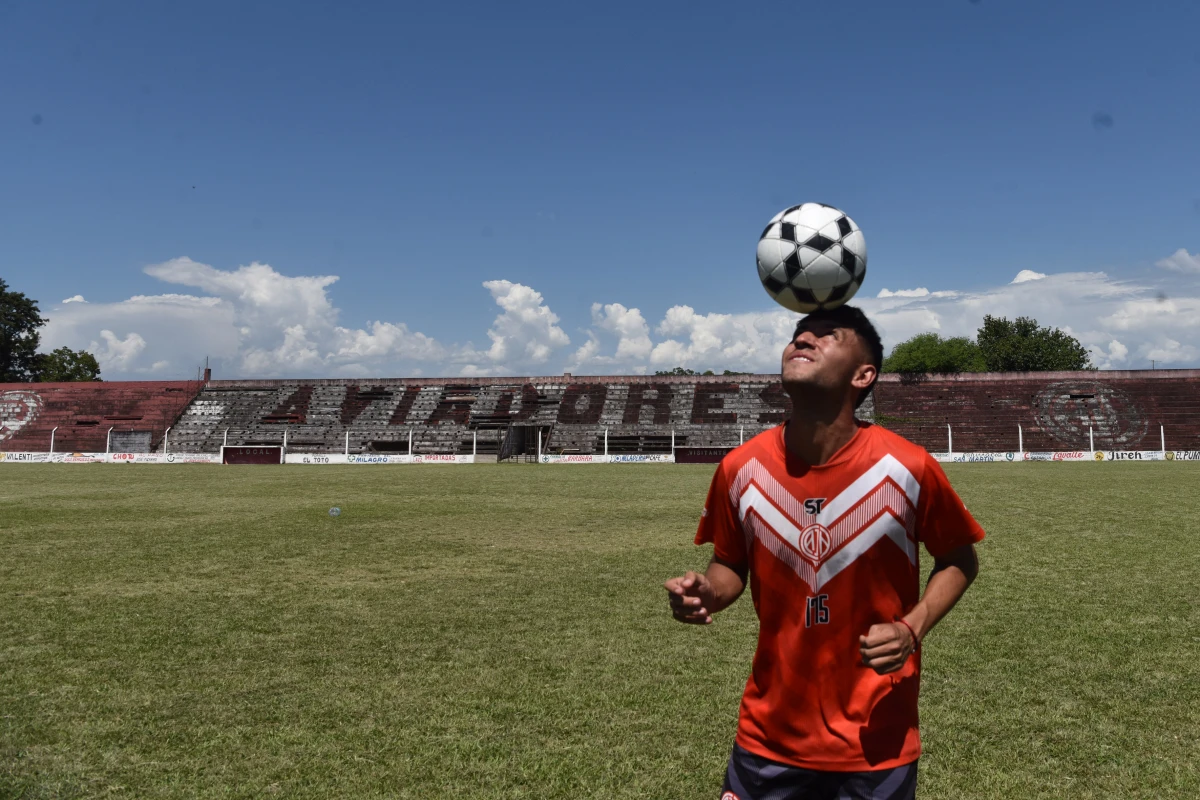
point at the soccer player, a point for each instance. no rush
(823, 515)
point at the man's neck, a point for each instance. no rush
(818, 430)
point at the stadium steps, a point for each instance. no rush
(84, 412)
(639, 413)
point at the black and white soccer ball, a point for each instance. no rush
(811, 256)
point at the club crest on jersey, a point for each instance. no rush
(815, 542)
(819, 537)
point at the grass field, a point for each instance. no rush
(500, 632)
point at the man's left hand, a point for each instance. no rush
(886, 647)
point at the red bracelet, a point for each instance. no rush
(916, 639)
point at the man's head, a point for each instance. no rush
(833, 351)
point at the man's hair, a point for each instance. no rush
(853, 318)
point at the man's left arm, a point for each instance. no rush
(888, 645)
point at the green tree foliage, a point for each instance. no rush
(19, 338)
(683, 371)
(1022, 346)
(65, 364)
(20, 362)
(930, 353)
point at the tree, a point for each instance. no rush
(65, 364)
(19, 337)
(1022, 346)
(930, 353)
(683, 371)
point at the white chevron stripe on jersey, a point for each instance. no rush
(754, 472)
(871, 508)
(886, 467)
(886, 525)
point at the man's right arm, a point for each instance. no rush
(695, 597)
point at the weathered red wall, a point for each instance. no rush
(83, 412)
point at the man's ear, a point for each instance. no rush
(864, 376)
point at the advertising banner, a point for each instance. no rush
(191, 458)
(24, 458)
(136, 458)
(1133, 455)
(377, 458)
(1183, 455)
(966, 458)
(316, 458)
(631, 458)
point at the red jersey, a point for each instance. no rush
(831, 550)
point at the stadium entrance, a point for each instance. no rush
(521, 443)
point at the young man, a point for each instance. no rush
(824, 514)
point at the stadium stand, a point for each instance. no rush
(138, 412)
(504, 417)
(1055, 410)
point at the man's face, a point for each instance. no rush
(822, 355)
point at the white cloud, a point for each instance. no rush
(117, 354)
(750, 342)
(922, 292)
(76, 299)
(1121, 322)
(255, 321)
(1181, 261)
(628, 327)
(524, 335)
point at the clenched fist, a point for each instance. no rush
(887, 646)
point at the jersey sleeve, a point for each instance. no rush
(943, 522)
(719, 523)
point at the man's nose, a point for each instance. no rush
(806, 338)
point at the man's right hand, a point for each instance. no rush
(692, 598)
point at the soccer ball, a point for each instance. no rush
(811, 256)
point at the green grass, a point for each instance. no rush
(500, 632)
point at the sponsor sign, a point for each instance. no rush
(1072, 456)
(82, 458)
(317, 458)
(135, 458)
(631, 458)
(1183, 455)
(24, 458)
(1039, 456)
(965, 458)
(642, 458)
(192, 458)
(377, 458)
(1136, 455)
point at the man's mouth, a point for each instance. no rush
(802, 357)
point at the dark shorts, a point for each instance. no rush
(751, 777)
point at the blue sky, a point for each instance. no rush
(625, 153)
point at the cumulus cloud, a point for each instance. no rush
(1181, 261)
(256, 321)
(117, 354)
(1123, 323)
(76, 299)
(628, 328)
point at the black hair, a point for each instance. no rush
(853, 318)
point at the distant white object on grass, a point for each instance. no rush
(335, 512)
